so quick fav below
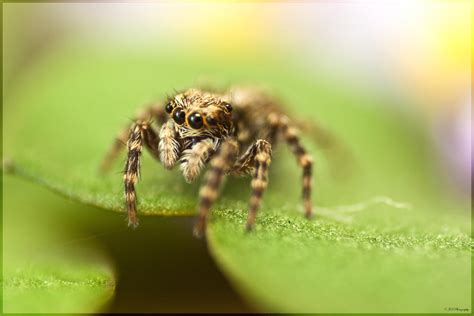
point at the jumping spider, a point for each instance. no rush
(233, 131)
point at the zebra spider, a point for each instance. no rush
(233, 131)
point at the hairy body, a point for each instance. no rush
(233, 132)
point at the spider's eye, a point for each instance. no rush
(195, 120)
(169, 108)
(228, 107)
(211, 121)
(179, 116)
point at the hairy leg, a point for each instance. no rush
(220, 165)
(261, 159)
(140, 134)
(290, 135)
(245, 162)
(193, 159)
(152, 112)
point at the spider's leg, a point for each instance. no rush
(305, 160)
(140, 133)
(154, 111)
(193, 159)
(118, 145)
(257, 159)
(244, 163)
(220, 164)
(150, 139)
(132, 172)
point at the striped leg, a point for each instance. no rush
(154, 111)
(259, 182)
(245, 165)
(304, 159)
(220, 165)
(140, 133)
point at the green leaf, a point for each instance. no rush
(400, 244)
(292, 265)
(56, 288)
(46, 269)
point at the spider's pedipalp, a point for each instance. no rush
(220, 165)
(169, 147)
(193, 159)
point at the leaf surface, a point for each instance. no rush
(46, 267)
(386, 236)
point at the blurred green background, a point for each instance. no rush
(392, 227)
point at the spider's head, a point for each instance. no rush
(200, 114)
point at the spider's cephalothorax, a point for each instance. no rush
(233, 131)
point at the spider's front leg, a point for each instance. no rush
(151, 112)
(220, 165)
(140, 134)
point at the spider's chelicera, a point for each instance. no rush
(233, 131)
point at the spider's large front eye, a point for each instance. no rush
(179, 116)
(195, 120)
(169, 108)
